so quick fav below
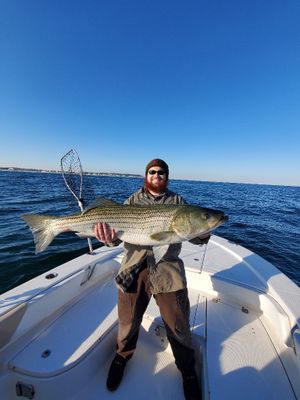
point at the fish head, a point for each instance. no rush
(193, 221)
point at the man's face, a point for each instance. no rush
(156, 180)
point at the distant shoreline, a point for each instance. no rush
(51, 171)
(118, 174)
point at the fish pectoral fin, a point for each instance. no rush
(159, 252)
(100, 202)
(163, 236)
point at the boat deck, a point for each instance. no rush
(150, 374)
(242, 360)
(237, 349)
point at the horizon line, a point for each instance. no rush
(45, 170)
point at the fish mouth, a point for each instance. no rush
(224, 218)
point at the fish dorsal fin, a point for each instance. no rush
(100, 202)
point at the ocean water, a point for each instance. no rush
(263, 218)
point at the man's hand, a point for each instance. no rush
(205, 239)
(200, 240)
(104, 233)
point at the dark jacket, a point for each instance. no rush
(168, 275)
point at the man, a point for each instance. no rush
(139, 278)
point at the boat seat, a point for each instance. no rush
(71, 336)
(241, 359)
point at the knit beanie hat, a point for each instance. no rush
(157, 162)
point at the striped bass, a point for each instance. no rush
(144, 225)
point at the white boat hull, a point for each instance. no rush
(58, 335)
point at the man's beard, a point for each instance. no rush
(159, 187)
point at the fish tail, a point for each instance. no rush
(42, 228)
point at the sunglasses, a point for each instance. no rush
(159, 172)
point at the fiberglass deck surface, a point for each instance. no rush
(150, 374)
(239, 358)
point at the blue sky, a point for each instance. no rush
(213, 87)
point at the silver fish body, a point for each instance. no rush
(144, 225)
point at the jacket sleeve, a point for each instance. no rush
(200, 241)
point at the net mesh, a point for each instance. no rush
(72, 172)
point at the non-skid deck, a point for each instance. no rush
(241, 360)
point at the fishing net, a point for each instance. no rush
(72, 173)
(73, 176)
